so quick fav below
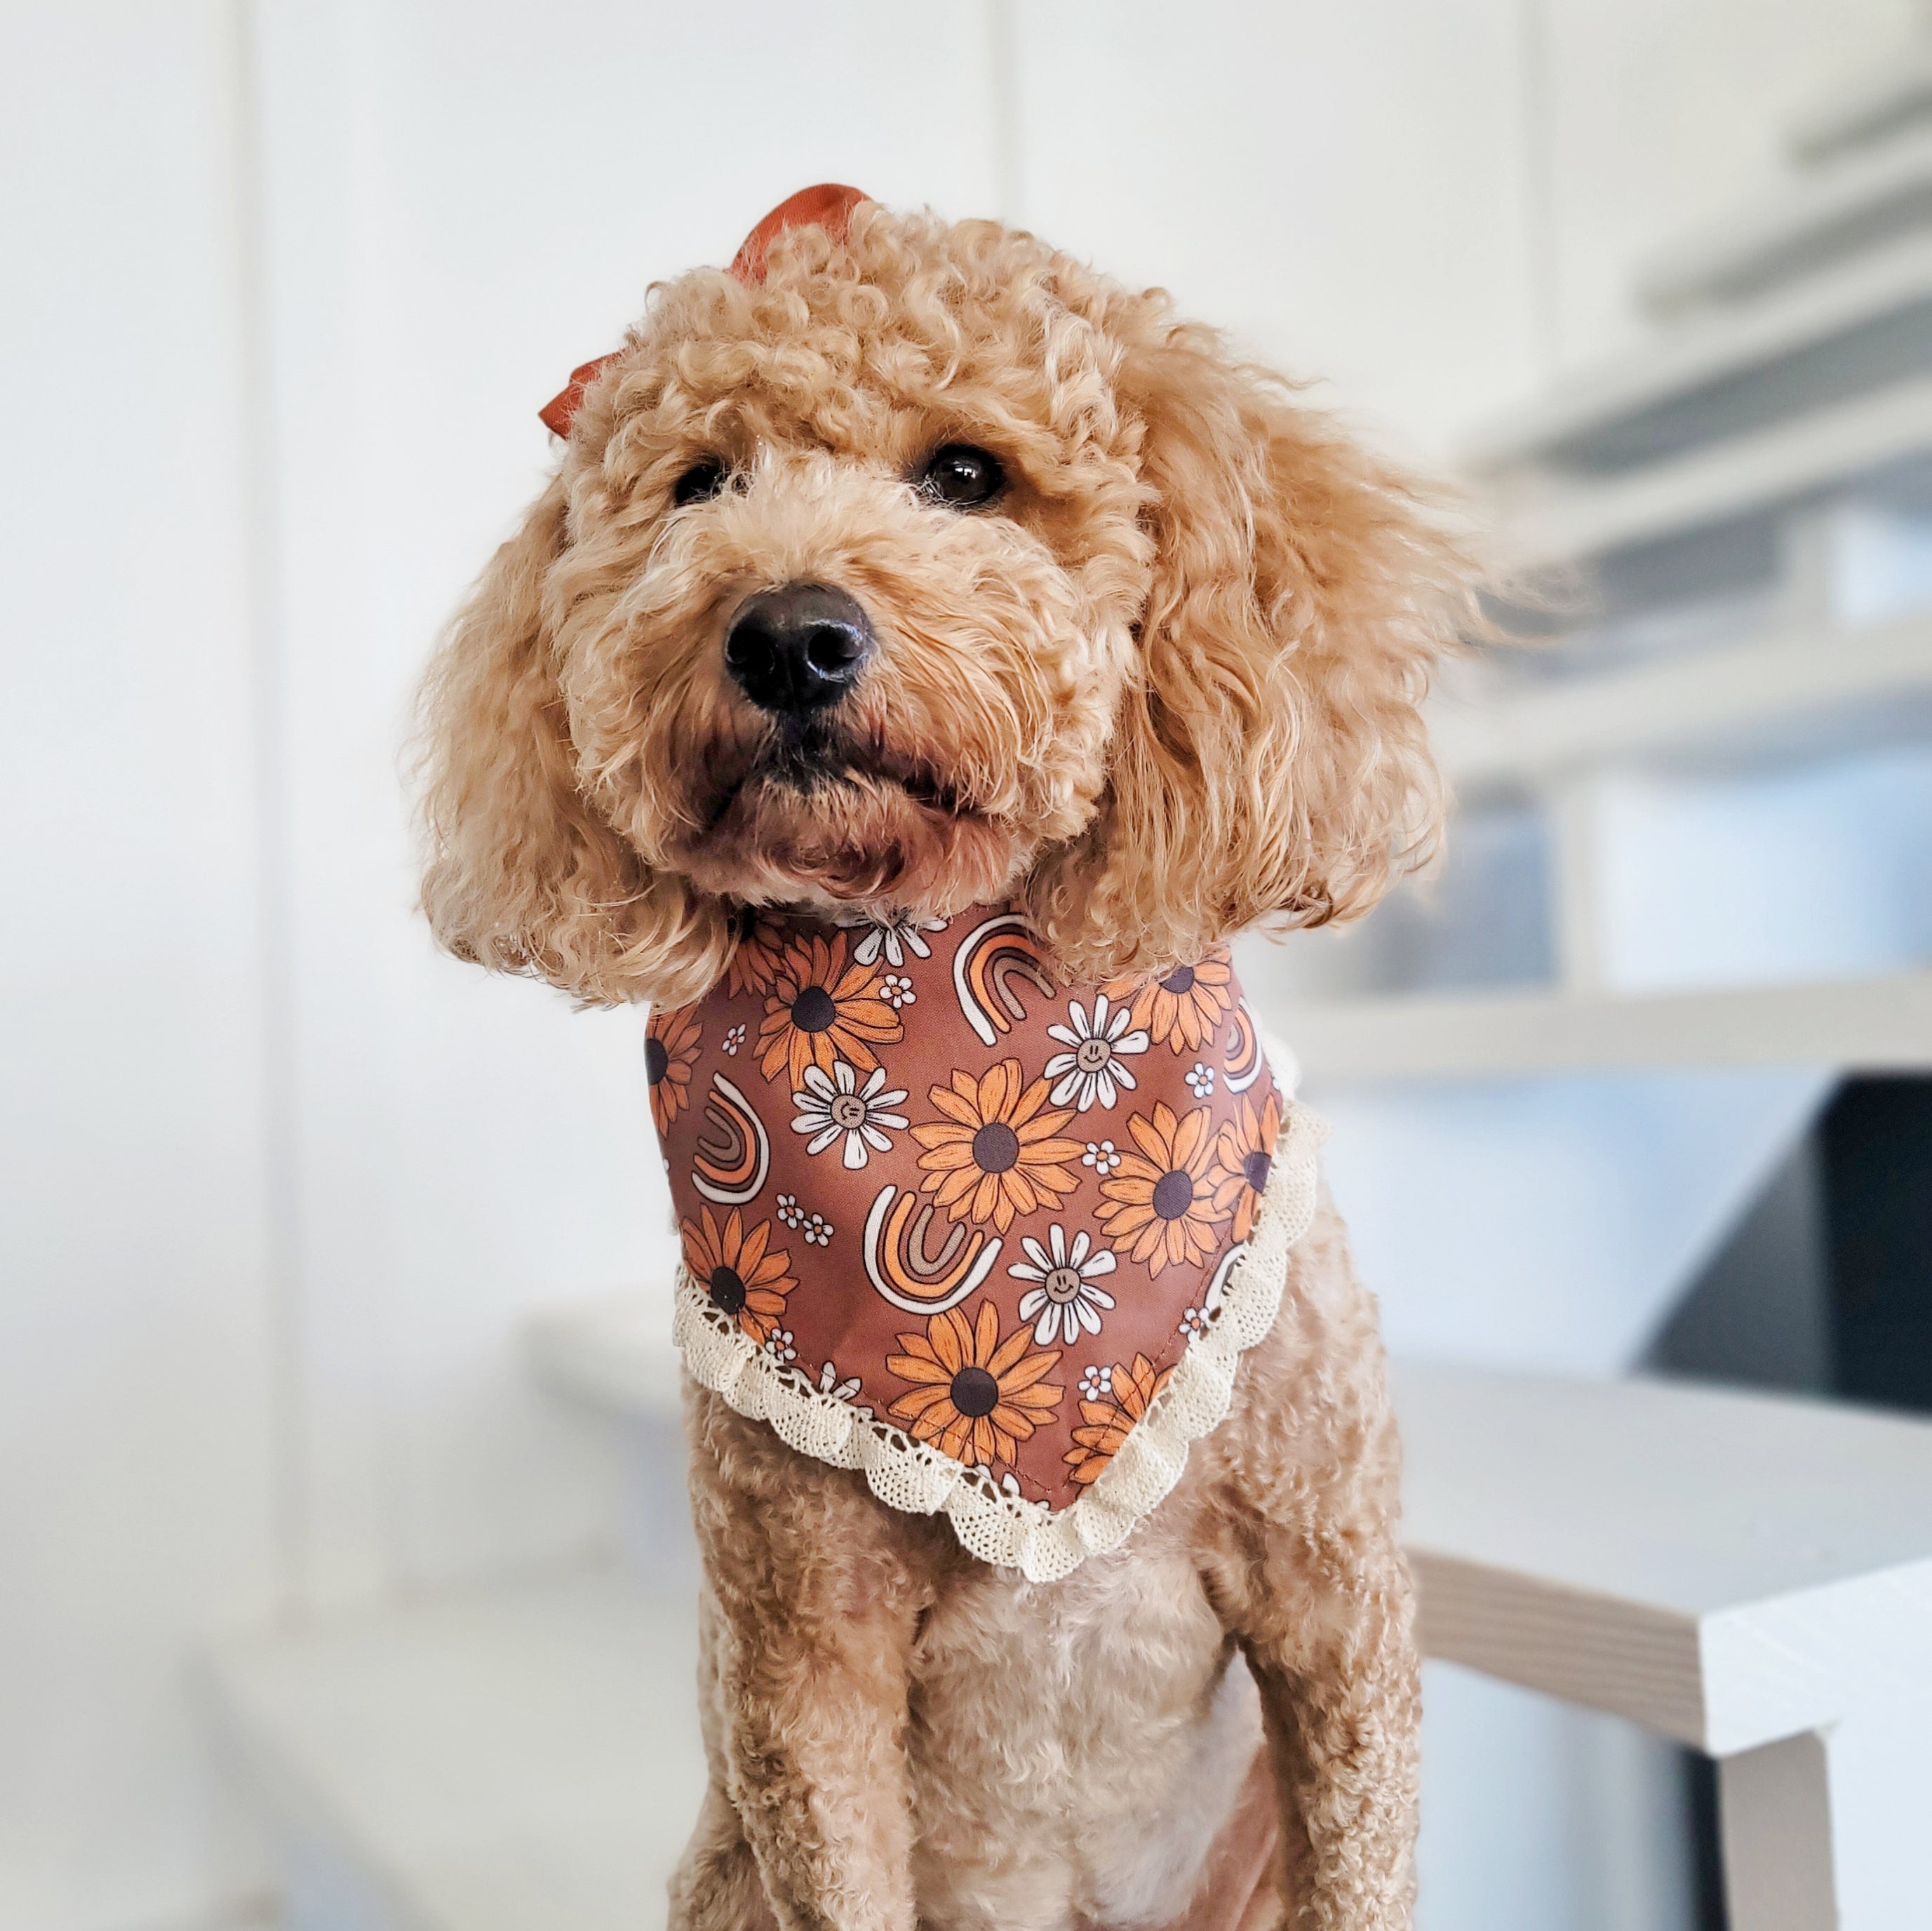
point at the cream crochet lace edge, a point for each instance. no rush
(992, 1523)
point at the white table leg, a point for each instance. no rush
(1775, 1805)
(1827, 1832)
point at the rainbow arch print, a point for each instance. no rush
(1217, 1287)
(1245, 1057)
(731, 1169)
(901, 1269)
(991, 958)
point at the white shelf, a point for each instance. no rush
(1707, 350)
(1567, 522)
(1788, 694)
(1871, 105)
(1810, 218)
(510, 1758)
(1735, 1571)
(1751, 1576)
(1870, 1025)
(1645, 1548)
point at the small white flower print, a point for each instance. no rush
(1200, 1079)
(897, 992)
(1066, 1301)
(1094, 1064)
(892, 938)
(1101, 1156)
(834, 1106)
(791, 1214)
(1193, 1323)
(1096, 1382)
(841, 1389)
(818, 1230)
(734, 1039)
(778, 1345)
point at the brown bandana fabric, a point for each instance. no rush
(988, 1213)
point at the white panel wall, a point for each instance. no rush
(1342, 186)
(461, 203)
(135, 1420)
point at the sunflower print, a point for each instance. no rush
(671, 1037)
(974, 1396)
(1187, 1007)
(995, 1154)
(754, 963)
(741, 1274)
(822, 1008)
(1160, 1199)
(1109, 1422)
(1243, 1155)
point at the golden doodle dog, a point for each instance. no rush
(927, 654)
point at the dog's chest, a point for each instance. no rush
(1076, 1745)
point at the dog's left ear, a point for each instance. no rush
(1270, 761)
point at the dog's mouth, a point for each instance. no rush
(808, 762)
(815, 810)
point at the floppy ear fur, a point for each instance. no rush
(1270, 761)
(524, 875)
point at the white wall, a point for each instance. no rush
(286, 283)
(1342, 186)
(137, 1421)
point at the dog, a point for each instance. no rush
(911, 579)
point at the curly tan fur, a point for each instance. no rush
(1164, 689)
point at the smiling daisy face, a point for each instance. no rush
(834, 1106)
(1065, 1299)
(1093, 1065)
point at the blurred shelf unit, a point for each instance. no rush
(1749, 1575)
(1730, 530)
(526, 1754)
(1879, 1025)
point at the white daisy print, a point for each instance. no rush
(1096, 1382)
(1101, 1155)
(1200, 1079)
(818, 1230)
(834, 1106)
(896, 990)
(1094, 1064)
(1066, 1301)
(790, 1212)
(841, 1388)
(1194, 1324)
(778, 1345)
(893, 938)
(734, 1039)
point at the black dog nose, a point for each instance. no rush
(795, 649)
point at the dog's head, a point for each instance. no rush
(914, 566)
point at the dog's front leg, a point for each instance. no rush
(1310, 1579)
(817, 1608)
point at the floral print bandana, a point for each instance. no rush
(946, 1219)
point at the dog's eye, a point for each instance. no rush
(962, 476)
(701, 482)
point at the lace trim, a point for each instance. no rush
(992, 1523)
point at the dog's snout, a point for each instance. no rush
(797, 648)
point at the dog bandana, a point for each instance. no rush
(998, 1242)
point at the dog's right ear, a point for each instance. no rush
(524, 875)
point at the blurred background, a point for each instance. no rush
(299, 1216)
